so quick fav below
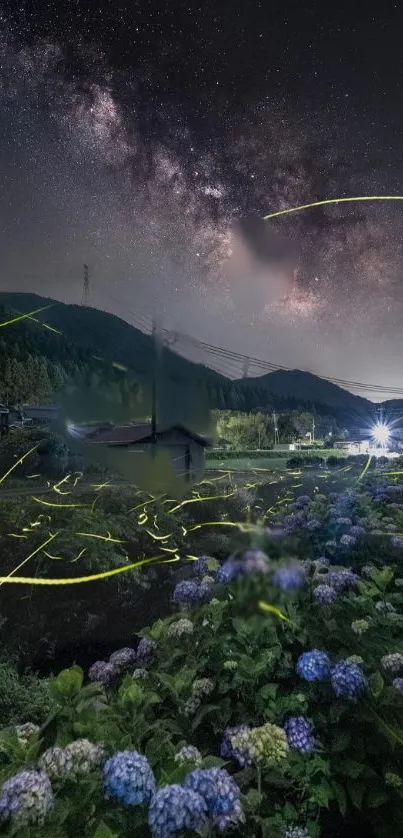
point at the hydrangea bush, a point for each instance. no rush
(269, 703)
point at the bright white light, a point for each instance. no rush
(380, 433)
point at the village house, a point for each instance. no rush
(186, 449)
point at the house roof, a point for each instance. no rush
(138, 433)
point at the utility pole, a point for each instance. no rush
(276, 436)
(85, 299)
(157, 353)
(245, 368)
(313, 429)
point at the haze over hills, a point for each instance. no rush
(187, 389)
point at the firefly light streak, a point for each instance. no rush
(333, 201)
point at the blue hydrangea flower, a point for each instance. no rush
(174, 809)
(200, 566)
(314, 665)
(313, 525)
(186, 592)
(341, 580)
(348, 540)
(292, 522)
(324, 594)
(102, 672)
(205, 592)
(357, 531)
(26, 798)
(229, 570)
(220, 792)
(254, 562)
(344, 522)
(227, 750)
(299, 734)
(304, 500)
(398, 684)
(145, 649)
(348, 680)
(296, 832)
(288, 578)
(129, 778)
(397, 541)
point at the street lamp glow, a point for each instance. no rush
(380, 433)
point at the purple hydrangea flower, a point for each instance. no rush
(341, 580)
(397, 541)
(324, 595)
(227, 751)
(102, 672)
(296, 832)
(123, 658)
(145, 649)
(26, 798)
(174, 809)
(288, 578)
(344, 522)
(299, 734)
(129, 778)
(348, 680)
(313, 665)
(398, 684)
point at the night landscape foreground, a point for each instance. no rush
(201, 420)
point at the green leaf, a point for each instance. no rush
(341, 797)
(351, 768)
(376, 684)
(356, 793)
(103, 831)
(375, 799)
(68, 683)
(205, 711)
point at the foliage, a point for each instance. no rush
(22, 697)
(296, 697)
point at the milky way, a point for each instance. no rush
(96, 170)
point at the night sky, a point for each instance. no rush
(148, 139)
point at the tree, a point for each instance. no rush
(245, 430)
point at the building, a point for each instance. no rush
(186, 449)
(353, 446)
(39, 414)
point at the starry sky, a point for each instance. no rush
(148, 138)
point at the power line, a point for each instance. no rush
(174, 338)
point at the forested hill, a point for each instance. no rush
(38, 358)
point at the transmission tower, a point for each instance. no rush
(85, 299)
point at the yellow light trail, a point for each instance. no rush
(333, 201)
(200, 500)
(271, 609)
(78, 580)
(18, 462)
(24, 316)
(9, 578)
(58, 505)
(365, 469)
(242, 527)
(102, 537)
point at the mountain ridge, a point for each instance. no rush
(101, 333)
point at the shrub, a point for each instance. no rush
(24, 697)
